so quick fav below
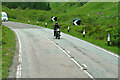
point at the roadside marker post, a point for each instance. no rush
(37, 22)
(68, 28)
(88, 15)
(28, 21)
(84, 33)
(108, 40)
(46, 24)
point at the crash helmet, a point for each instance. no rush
(56, 23)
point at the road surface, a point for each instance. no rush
(42, 56)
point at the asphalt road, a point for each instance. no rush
(42, 56)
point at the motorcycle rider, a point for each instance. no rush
(56, 26)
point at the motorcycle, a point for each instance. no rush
(57, 34)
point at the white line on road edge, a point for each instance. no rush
(84, 65)
(96, 46)
(68, 52)
(70, 58)
(89, 74)
(77, 63)
(19, 67)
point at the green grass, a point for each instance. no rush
(8, 49)
(0, 52)
(0, 44)
(97, 25)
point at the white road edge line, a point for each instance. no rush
(19, 70)
(19, 67)
(95, 46)
(84, 65)
(68, 52)
(89, 74)
(70, 58)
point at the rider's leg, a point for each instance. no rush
(54, 33)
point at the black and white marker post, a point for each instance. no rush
(68, 28)
(28, 21)
(37, 22)
(108, 40)
(84, 33)
(46, 24)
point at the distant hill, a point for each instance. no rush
(30, 5)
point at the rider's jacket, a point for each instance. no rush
(56, 27)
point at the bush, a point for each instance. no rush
(115, 37)
(3, 40)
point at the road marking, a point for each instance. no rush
(89, 74)
(20, 58)
(96, 46)
(77, 63)
(68, 52)
(18, 73)
(70, 57)
(19, 67)
(84, 65)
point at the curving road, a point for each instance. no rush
(42, 56)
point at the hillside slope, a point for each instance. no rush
(99, 13)
(98, 18)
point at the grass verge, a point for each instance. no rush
(0, 52)
(8, 49)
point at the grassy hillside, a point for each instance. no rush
(98, 18)
(8, 49)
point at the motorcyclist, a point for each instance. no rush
(56, 26)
